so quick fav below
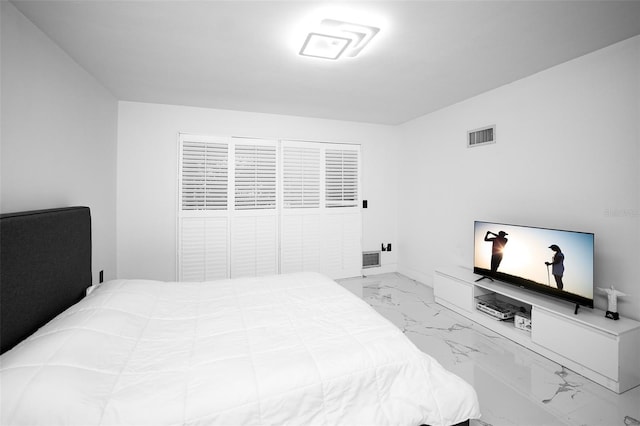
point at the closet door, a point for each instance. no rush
(321, 226)
(301, 230)
(203, 201)
(251, 207)
(342, 221)
(228, 209)
(254, 218)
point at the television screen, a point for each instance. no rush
(555, 262)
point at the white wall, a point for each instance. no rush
(148, 164)
(58, 134)
(567, 156)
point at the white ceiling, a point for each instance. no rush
(242, 55)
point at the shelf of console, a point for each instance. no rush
(605, 351)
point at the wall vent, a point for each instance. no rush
(483, 136)
(370, 259)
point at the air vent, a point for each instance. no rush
(370, 259)
(483, 136)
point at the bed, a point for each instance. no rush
(288, 349)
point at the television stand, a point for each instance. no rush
(484, 277)
(590, 344)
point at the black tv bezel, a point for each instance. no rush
(537, 287)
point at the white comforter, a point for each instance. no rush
(294, 349)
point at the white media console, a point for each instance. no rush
(603, 350)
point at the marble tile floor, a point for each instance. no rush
(515, 386)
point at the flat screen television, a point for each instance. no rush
(554, 262)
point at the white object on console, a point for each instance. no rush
(612, 296)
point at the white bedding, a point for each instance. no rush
(292, 349)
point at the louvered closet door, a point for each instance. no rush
(203, 221)
(251, 207)
(342, 221)
(301, 230)
(320, 217)
(254, 223)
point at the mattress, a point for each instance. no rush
(288, 349)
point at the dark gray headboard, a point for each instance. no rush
(45, 267)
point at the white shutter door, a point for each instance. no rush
(254, 231)
(301, 201)
(343, 221)
(242, 199)
(202, 215)
(320, 217)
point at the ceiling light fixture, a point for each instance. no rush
(337, 38)
(324, 46)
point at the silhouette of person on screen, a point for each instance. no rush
(558, 265)
(498, 242)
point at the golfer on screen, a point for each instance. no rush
(558, 265)
(498, 242)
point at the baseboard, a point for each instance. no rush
(421, 277)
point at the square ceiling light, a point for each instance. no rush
(335, 39)
(324, 46)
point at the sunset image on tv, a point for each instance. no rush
(553, 261)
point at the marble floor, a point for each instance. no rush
(515, 386)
